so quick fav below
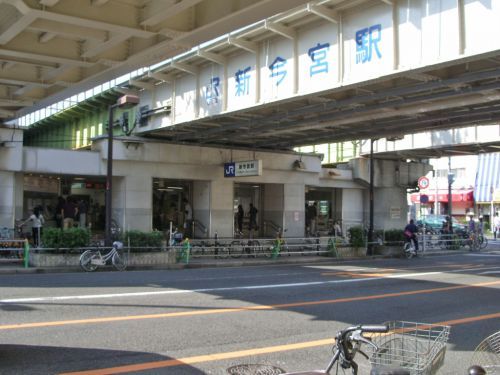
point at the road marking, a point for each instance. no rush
(211, 290)
(244, 353)
(238, 309)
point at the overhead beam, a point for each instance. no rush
(98, 3)
(86, 22)
(214, 57)
(46, 37)
(6, 113)
(68, 31)
(243, 44)
(45, 58)
(94, 49)
(16, 28)
(48, 3)
(280, 29)
(162, 77)
(142, 85)
(184, 67)
(168, 12)
(4, 102)
(323, 12)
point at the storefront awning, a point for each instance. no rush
(487, 177)
(442, 196)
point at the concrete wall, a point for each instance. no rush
(273, 207)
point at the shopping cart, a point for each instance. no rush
(487, 354)
(417, 347)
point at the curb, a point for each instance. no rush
(225, 263)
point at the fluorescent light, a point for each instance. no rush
(175, 187)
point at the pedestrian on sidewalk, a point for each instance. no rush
(38, 220)
(496, 226)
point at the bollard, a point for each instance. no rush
(186, 248)
(26, 253)
(332, 246)
(276, 249)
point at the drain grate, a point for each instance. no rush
(254, 369)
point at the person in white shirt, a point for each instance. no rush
(37, 220)
(496, 226)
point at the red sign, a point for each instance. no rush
(423, 182)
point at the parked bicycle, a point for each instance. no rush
(486, 356)
(93, 258)
(240, 246)
(401, 348)
(473, 242)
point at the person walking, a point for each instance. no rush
(239, 218)
(37, 220)
(68, 213)
(82, 213)
(252, 213)
(188, 218)
(313, 214)
(496, 226)
(61, 202)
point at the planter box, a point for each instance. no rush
(351, 252)
(45, 259)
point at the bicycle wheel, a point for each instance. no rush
(483, 242)
(408, 251)
(120, 259)
(254, 249)
(86, 260)
(221, 250)
(236, 249)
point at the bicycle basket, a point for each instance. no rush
(417, 347)
(487, 354)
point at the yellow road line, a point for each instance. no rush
(239, 309)
(243, 353)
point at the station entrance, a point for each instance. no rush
(169, 203)
(246, 194)
(322, 210)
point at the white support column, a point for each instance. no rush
(395, 34)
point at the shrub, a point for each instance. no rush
(138, 239)
(55, 238)
(357, 236)
(393, 235)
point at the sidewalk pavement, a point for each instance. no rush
(15, 266)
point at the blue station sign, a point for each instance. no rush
(243, 168)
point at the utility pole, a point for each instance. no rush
(451, 178)
(370, 228)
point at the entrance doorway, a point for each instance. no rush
(169, 203)
(325, 205)
(244, 195)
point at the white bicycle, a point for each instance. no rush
(91, 259)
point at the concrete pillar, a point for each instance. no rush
(132, 202)
(294, 209)
(273, 207)
(222, 219)
(201, 208)
(352, 208)
(8, 199)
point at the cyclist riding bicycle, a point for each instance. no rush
(410, 233)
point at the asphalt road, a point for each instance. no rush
(203, 321)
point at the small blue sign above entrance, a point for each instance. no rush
(243, 168)
(229, 169)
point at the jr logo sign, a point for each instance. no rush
(229, 170)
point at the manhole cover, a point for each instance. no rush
(254, 370)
